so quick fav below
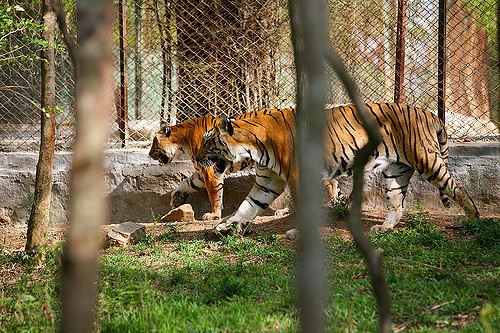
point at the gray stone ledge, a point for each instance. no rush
(138, 188)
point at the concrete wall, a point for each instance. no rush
(138, 188)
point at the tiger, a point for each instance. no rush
(413, 139)
(184, 139)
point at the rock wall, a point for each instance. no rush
(138, 188)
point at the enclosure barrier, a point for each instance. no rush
(183, 59)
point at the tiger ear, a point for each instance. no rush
(164, 128)
(226, 126)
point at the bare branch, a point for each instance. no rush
(372, 257)
(11, 33)
(63, 26)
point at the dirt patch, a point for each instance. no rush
(168, 235)
(14, 238)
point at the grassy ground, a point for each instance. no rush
(437, 284)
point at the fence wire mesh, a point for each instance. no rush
(176, 60)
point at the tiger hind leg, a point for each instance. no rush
(268, 186)
(189, 185)
(397, 177)
(445, 200)
(441, 178)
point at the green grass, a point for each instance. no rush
(248, 285)
(198, 286)
(338, 209)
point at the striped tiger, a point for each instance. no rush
(413, 140)
(184, 139)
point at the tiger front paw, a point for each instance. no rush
(210, 216)
(227, 227)
(282, 212)
(380, 227)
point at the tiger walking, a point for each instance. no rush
(184, 139)
(413, 139)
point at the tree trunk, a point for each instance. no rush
(40, 210)
(309, 36)
(87, 204)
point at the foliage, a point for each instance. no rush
(437, 284)
(485, 12)
(420, 226)
(240, 284)
(339, 209)
(35, 305)
(486, 231)
(20, 36)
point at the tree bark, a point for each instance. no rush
(309, 36)
(87, 204)
(40, 209)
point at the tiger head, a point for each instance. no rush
(216, 144)
(166, 145)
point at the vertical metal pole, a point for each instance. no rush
(138, 59)
(442, 60)
(174, 63)
(400, 52)
(123, 101)
(497, 101)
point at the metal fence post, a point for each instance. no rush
(200, 58)
(138, 60)
(400, 52)
(123, 98)
(442, 60)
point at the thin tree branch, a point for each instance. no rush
(372, 257)
(11, 33)
(63, 26)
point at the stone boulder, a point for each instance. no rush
(124, 234)
(183, 213)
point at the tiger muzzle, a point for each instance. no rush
(206, 161)
(160, 157)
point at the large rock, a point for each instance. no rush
(124, 234)
(183, 213)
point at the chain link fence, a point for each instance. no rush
(176, 60)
